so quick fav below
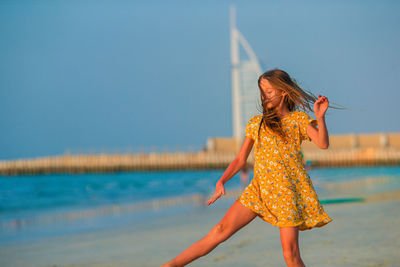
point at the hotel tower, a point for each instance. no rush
(245, 72)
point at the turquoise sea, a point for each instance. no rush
(35, 207)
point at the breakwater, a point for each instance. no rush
(117, 163)
(201, 160)
(352, 157)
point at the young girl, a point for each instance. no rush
(281, 191)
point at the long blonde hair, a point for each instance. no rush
(295, 99)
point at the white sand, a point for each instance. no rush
(361, 234)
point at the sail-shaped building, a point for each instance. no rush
(245, 93)
(245, 72)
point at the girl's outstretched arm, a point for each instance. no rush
(319, 136)
(233, 168)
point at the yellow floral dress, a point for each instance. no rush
(281, 191)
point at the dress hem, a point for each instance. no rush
(293, 224)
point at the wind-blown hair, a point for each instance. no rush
(295, 99)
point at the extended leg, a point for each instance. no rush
(235, 218)
(290, 246)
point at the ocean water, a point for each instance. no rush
(35, 207)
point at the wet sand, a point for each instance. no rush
(361, 234)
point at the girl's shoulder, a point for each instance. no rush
(255, 119)
(298, 115)
(301, 113)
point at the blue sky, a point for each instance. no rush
(113, 75)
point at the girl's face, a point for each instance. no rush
(273, 97)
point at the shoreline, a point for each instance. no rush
(361, 234)
(166, 205)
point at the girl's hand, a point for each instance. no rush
(219, 190)
(320, 106)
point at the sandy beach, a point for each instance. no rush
(361, 234)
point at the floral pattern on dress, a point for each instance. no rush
(281, 191)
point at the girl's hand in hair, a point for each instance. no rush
(219, 190)
(320, 106)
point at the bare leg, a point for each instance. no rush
(290, 246)
(235, 218)
(244, 178)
